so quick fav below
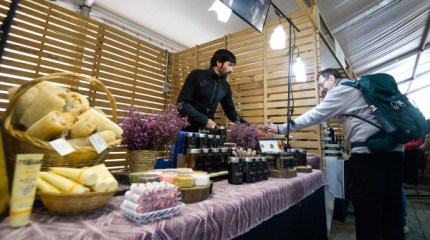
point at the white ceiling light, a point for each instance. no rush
(299, 70)
(222, 10)
(277, 41)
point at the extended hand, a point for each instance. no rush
(210, 123)
(270, 127)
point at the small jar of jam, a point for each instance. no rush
(293, 157)
(301, 157)
(235, 170)
(194, 159)
(216, 159)
(213, 130)
(218, 142)
(282, 160)
(222, 131)
(201, 140)
(249, 171)
(211, 140)
(225, 155)
(189, 141)
(265, 167)
(258, 169)
(207, 160)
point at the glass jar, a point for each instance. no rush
(189, 142)
(211, 140)
(213, 130)
(225, 154)
(218, 142)
(258, 169)
(271, 160)
(292, 160)
(235, 170)
(265, 167)
(301, 157)
(222, 131)
(207, 160)
(249, 170)
(201, 140)
(216, 159)
(282, 160)
(194, 158)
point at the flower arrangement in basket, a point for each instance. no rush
(145, 134)
(40, 112)
(246, 136)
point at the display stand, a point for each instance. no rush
(285, 173)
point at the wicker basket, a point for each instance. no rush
(141, 160)
(20, 142)
(74, 204)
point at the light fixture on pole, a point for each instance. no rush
(279, 37)
(222, 11)
(299, 70)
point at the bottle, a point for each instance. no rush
(386, 123)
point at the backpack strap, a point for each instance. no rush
(358, 144)
(348, 83)
(363, 119)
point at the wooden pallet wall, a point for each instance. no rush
(46, 38)
(260, 78)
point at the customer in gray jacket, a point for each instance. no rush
(376, 177)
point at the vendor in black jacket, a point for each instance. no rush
(204, 89)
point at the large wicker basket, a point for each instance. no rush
(20, 142)
(74, 204)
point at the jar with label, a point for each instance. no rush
(218, 142)
(207, 160)
(194, 159)
(249, 170)
(216, 159)
(211, 140)
(201, 140)
(265, 167)
(258, 169)
(271, 160)
(235, 170)
(189, 141)
(301, 157)
(222, 131)
(225, 154)
(213, 130)
(282, 160)
(292, 160)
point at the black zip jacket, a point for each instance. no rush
(200, 95)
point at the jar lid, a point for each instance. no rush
(200, 135)
(212, 127)
(221, 127)
(214, 150)
(301, 150)
(194, 151)
(248, 159)
(264, 159)
(291, 150)
(257, 159)
(211, 136)
(233, 160)
(205, 150)
(188, 134)
(218, 136)
(224, 150)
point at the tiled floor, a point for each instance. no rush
(418, 207)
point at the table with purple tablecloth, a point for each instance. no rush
(230, 211)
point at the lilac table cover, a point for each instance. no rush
(231, 210)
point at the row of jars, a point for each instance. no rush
(283, 160)
(215, 130)
(209, 159)
(247, 169)
(202, 140)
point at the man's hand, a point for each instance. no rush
(270, 128)
(210, 123)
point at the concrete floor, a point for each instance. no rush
(418, 207)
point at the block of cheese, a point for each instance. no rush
(77, 101)
(108, 136)
(84, 176)
(63, 183)
(105, 123)
(48, 126)
(44, 102)
(44, 186)
(84, 126)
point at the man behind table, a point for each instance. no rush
(204, 89)
(376, 177)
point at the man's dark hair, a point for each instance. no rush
(329, 71)
(222, 56)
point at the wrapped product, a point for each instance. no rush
(100, 186)
(44, 102)
(104, 174)
(47, 127)
(200, 179)
(183, 180)
(105, 123)
(84, 126)
(149, 178)
(44, 186)
(108, 136)
(63, 183)
(77, 101)
(84, 176)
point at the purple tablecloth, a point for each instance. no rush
(231, 210)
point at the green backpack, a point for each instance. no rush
(400, 121)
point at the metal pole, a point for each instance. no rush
(290, 63)
(7, 23)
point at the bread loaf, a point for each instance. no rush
(108, 136)
(47, 127)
